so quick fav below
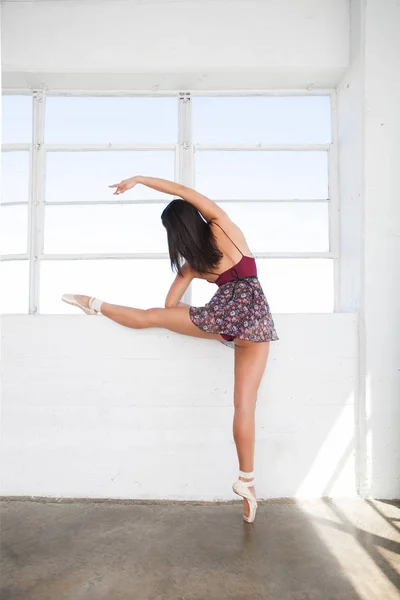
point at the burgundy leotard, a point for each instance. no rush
(246, 267)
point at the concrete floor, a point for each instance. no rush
(85, 550)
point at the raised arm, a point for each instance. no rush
(204, 205)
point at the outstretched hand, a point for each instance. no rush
(125, 185)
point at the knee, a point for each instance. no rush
(245, 403)
(149, 317)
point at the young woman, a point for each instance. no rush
(205, 244)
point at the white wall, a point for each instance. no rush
(190, 44)
(369, 158)
(92, 409)
(381, 306)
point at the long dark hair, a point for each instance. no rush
(190, 238)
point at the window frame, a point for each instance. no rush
(184, 150)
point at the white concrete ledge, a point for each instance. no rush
(92, 409)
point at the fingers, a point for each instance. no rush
(120, 188)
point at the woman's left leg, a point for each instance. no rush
(175, 319)
(250, 362)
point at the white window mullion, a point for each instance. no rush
(15, 147)
(119, 202)
(15, 203)
(109, 147)
(12, 257)
(185, 154)
(334, 216)
(158, 255)
(36, 210)
(185, 140)
(273, 201)
(262, 147)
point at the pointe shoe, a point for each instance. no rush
(241, 488)
(94, 304)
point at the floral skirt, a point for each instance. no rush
(238, 309)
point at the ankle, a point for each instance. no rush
(247, 477)
(95, 304)
(246, 474)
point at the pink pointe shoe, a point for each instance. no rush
(241, 488)
(93, 308)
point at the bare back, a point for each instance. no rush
(228, 235)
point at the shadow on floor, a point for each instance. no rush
(373, 543)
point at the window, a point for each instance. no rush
(268, 160)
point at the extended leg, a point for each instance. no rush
(175, 319)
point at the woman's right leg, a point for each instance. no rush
(175, 319)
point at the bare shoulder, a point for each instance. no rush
(232, 230)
